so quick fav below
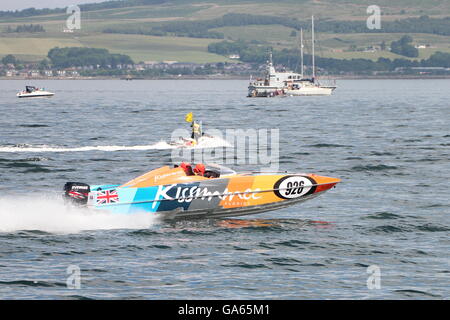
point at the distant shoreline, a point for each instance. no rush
(354, 77)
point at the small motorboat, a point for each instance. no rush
(32, 92)
(216, 191)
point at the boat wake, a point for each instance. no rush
(50, 214)
(46, 148)
(212, 142)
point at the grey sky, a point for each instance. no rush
(6, 5)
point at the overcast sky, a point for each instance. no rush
(6, 5)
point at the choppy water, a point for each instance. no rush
(389, 141)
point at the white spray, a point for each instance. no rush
(50, 214)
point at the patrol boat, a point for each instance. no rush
(288, 83)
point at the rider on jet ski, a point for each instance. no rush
(196, 128)
(196, 131)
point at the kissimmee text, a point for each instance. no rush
(187, 194)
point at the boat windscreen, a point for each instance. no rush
(224, 171)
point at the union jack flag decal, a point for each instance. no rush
(108, 196)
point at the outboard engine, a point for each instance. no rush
(76, 192)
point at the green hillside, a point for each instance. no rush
(156, 43)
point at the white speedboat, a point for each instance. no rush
(32, 92)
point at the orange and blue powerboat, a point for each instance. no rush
(206, 191)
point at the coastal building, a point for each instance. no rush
(33, 73)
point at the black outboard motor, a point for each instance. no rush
(76, 192)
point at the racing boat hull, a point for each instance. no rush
(168, 192)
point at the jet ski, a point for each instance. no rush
(217, 191)
(183, 143)
(32, 92)
(190, 143)
(199, 139)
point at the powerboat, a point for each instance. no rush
(32, 92)
(216, 191)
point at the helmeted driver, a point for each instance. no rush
(186, 166)
(199, 169)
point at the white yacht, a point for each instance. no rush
(288, 83)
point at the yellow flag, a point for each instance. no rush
(189, 117)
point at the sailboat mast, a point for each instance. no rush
(313, 60)
(301, 50)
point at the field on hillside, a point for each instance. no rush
(138, 47)
(142, 48)
(334, 9)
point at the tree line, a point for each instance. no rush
(290, 58)
(102, 59)
(80, 57)
(201, 28)
(29, 12)
(403, 47)
(26, 28)
(191, 32)
(9, 59)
